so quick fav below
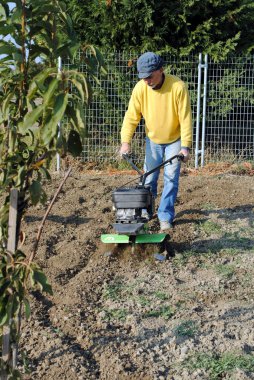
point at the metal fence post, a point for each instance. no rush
(203, 125)
(205, 66)
(197, 151)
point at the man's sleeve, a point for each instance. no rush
(184, 112)
(132, 117)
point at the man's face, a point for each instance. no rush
(155, 79)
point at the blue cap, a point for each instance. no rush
(147, 63)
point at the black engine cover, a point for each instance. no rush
(130, 204)
(136, 197)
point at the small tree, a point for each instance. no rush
(34, 98)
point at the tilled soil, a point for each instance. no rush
(120, 315)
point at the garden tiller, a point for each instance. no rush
(134, 207)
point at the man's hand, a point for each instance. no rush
(125, 148)
(186, 154)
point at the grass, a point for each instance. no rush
(112, 291)
(208, 206)
(180, 304)
(119, 314)
(161, 296)
(165, 312)
(230, 251)
(210, 227)
(248, 279)
(186, 329)
(144, 301)
(117, 290)
(224, 270)
(183, 258)
(219, 365)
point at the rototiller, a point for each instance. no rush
(134, 207)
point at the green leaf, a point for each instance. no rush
(27, 308)
(47, 8)
(35, 190)
(44, 197)
(96, 53)
(74, 143)
(36, 27)
(79, 87)
(20, 176)
(86, 86)
(3, 317)
(7, 29)
(49, 131)
(8, 49)
(40, 86)
(30, 119)
(50, 92)
(39, 79)
(80, 117)
(4, 286)
(88, 89)
(45, 172)
(40, 278)
(16, 305)
(4, 10)
(16, 15)
(32, 279)
(36, 50)
(31, 135)
(18, 57)
(5, 106)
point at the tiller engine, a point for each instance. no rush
(134, 207)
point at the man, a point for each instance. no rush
(163, 101)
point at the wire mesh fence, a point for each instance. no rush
(228, 114)
(229, 111)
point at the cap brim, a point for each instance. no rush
(143, 75)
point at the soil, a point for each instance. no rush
(118, 314)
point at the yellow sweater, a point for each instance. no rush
(166, 111)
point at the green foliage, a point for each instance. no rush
(118, 314)
(210, 227)
(117, 290)
(14, 273)
(240, 94)
(183, 258)
(208, 206)
(225, 270)
(161, 295)
(165, 312)
(186, 329)
(215, 27)
(219, 365)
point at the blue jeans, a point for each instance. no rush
(155, 155)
